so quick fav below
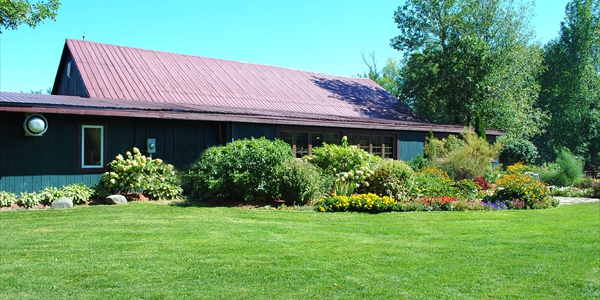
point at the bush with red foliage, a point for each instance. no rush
(482, 183)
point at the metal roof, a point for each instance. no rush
(117, 72)
(40, 103)
(130, 82)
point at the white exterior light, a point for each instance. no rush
(35, 125)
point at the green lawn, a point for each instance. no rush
(157, 251)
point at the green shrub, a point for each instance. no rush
(139, 174)
(517, 150)
(432, 182)
(203, 177)
(359, 203)
(391, 178)
(419, 162)
(7, 198)
(28, 200)
(78, 192)
(299, 181)
(585, 183)
(244, 169)
(596, 189)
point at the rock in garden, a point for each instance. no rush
(62, 202)
(115, 199)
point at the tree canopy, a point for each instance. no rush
(466, 58)
(15, 13)
(571, 83)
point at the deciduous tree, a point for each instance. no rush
(15, 13)
(571, 83)
(470, 57)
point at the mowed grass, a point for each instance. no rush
(158, 251)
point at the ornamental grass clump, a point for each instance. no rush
(140, 174)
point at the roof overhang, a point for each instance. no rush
(70, 105)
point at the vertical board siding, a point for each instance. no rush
(33, 163)
(410, 144)
(249, 130)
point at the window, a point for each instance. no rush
(92, 146)
(302, 142)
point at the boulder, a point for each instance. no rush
(62, 202)
(115, 199)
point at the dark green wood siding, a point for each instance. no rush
(249, 130)
(410, 144)
(32, 163)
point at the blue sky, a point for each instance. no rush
(326, 36)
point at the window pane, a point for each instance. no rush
(388, 142)
(92, 147)
(317, 139)
(363, 140)
(333, 138)
(301, 144)
(287, 136)
(352, 139)
(376, 141)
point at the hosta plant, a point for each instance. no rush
(78, 192)
(7, 198)
(28, 200)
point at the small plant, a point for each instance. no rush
(49, 194)
(139, 174)
(78, 192)
(467, 189)
(7, 198)
(28, 200)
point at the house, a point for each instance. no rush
(107, 99)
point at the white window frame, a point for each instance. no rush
(83, 128)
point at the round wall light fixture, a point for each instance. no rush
(35, 125)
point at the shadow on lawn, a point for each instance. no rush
(218, 202)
